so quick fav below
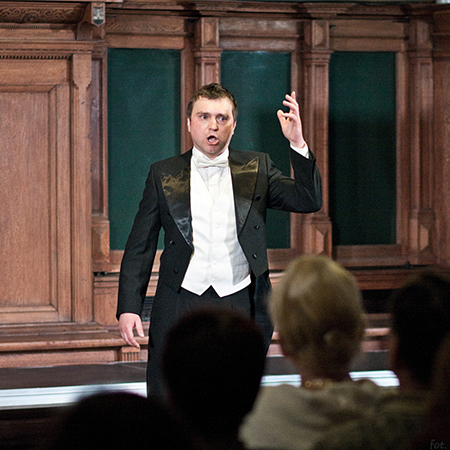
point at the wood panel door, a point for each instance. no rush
(40, 171)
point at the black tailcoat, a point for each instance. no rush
(257, 186)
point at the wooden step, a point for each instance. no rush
(37, 345)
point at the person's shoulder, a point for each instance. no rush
(364, 394)
(411, 404)
(246, 154)
(272, 397)
(176, 161)
(363, 385)
(385, 425)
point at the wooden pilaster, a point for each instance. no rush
(207, 51)
(422, 216)
(316, 227)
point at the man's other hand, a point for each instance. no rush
(127, 323)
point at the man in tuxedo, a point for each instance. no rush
(211, 203)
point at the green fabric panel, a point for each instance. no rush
(362, 148)
(259, 81)
(143, 127)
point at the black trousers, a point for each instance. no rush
(168, 307)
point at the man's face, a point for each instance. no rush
(211, 125)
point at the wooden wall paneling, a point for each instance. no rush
(62, 152)
(99, 165)
(105, 299)
(403, 146)
(81, 202)
(36, 238)
(46, 291)
(316, 228)
(41, 17)
(259, 34)
(49, 71)
(188, 67)
(55, 244)
(281, 27)
(207, 51)
(441, 118)
(365, 35)
(422, 216)
(125, 29)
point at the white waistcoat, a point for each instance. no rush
(218, 259)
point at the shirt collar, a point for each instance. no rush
(197, 156)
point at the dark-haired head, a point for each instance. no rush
(420, 311)
(212, 91)
(213, 363)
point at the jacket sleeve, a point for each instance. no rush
(140, 251)
(303, 193)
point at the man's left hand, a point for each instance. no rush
(291, 123)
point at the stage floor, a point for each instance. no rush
(36, 387)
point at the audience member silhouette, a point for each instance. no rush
(420, 311)
(318, 312)
(435, 433)
(213, 363)
(120, 420)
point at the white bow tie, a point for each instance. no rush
(206, 162)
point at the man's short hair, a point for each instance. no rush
(420, 314)
(212, 91)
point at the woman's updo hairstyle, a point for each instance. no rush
(318, 312)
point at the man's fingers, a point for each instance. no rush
(130, 340)
(291, 104)
(286, 115)
(139, 329)
(128, 337)
(127, 323)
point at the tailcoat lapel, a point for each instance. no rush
(244, 176)
(177, 190)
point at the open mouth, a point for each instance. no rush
(212, 140)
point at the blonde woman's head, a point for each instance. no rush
(318, 312)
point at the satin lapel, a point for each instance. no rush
(177, 191)
(244, 182)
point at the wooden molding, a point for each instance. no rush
(370, 255)
(12, 49)
(41, 13)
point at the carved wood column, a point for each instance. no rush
(422, 215)
(99, 166)
(441, 58)
(207, 51)
(317, 237)
(81, 189)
